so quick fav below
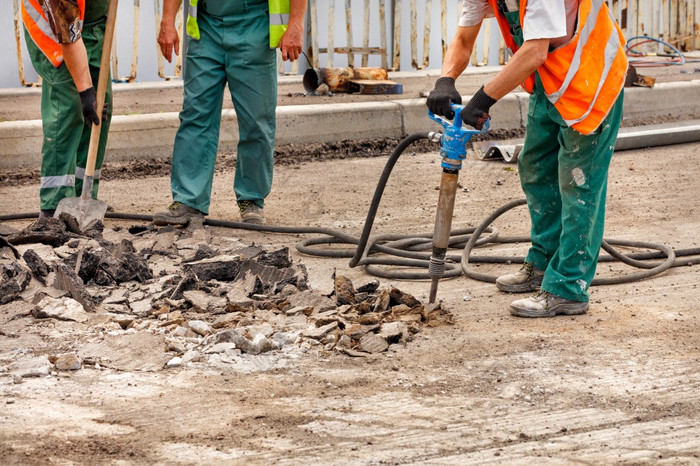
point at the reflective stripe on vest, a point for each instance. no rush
(583, 77)
(191, 26)
(279, 20)
(39, 30)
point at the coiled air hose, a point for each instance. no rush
(377, 253)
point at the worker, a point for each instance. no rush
(64, 39)
(568, 54)
(230, 43)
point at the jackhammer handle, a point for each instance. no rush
(457, 122)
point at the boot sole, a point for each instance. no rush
(557, 310)
(254, 220)
(522, 288)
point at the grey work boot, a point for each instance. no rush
(251, 212)
(528, 278)
(545, 304)
(178, 214)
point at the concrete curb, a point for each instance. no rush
(151, 135)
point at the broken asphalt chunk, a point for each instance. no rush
(344, 290)
(66, 279)
(224, 268)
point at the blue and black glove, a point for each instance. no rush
(442, 96)
(476, 112)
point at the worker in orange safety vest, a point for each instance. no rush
(64, 39)
(569, 55)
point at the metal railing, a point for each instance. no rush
(673, 21)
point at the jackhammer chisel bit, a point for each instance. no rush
(453, 149)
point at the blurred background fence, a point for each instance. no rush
(399, 35)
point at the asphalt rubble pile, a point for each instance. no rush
(141, 298)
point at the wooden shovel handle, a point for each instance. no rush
(101, 88)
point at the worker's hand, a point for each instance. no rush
(88, 101)
(291, 43)
(105, 111)
(442, 96)
(168, 39)
(476, 112)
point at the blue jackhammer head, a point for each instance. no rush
(453, 143)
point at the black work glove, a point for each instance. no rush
(105, 111)
(88, 100)
(476, 112)
(442, 96)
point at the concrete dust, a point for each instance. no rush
(617, 385)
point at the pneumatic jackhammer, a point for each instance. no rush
(453, 149)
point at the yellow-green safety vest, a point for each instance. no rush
(279, 20)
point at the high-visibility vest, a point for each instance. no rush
(583, 77)
(39, 29)
(191, 25)
(279, 20)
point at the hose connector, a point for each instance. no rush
(434, 136)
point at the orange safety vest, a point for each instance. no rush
(40, 31)
(583, 77)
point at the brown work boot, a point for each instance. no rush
(251, 212)
(178, 214)
(528, 278)
(544, 304)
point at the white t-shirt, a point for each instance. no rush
(544, 19)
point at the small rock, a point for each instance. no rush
(68, 362)
(393, 332)
(372, 343)
(142, 308)
(191, 356)
(318, 333)
(283, 338)
(66, 279)
(344, 290)
(344, 342)
(198, 299)
(175, 362)
(200, 327)
(39, 366)
(62, 309)
(262, 343)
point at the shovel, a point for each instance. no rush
(85, 209)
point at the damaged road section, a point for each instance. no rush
(141, 298)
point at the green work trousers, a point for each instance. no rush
(233, 48)
(564, 175)
(66, 136)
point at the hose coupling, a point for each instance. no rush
(434, 136)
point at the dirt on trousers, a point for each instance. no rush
(618, 385)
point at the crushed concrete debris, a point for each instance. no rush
(60, 308)
(149, 299)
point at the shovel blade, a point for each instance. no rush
(85, 211)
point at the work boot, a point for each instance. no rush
(178, 214)
(528, 278)
(544, 304)
(251, 212)
(46, 213)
